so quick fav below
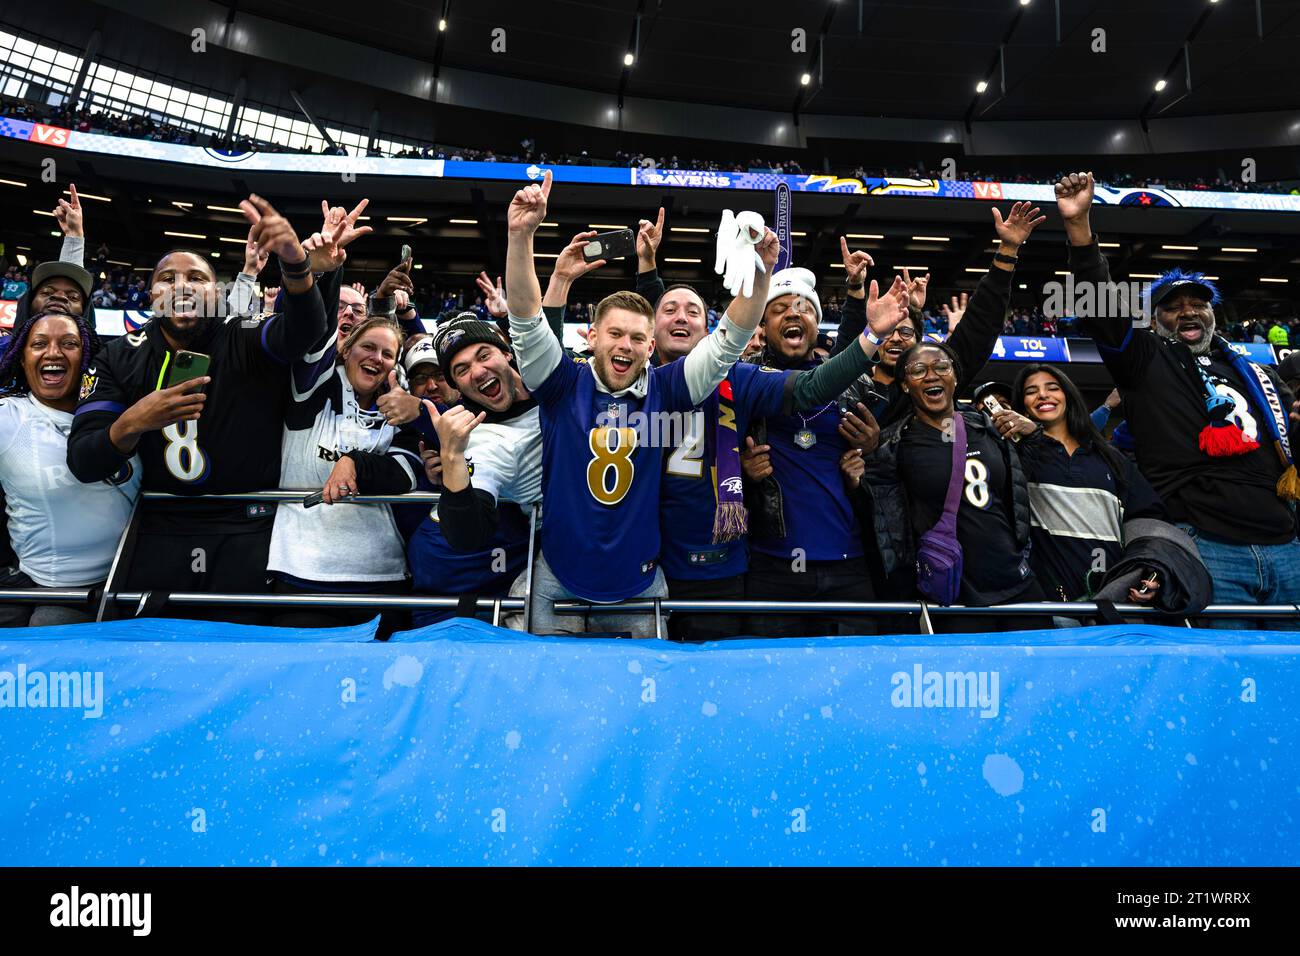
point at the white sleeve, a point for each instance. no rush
(490, 463)
(710, 361)
(537, 350)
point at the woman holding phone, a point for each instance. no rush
(337, 440)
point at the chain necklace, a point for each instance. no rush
(805, 438)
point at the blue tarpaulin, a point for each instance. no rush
(211, 744)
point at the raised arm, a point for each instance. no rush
(1125, 355)
(708, 363)
(976, 334)
(649, 235)
(71, 220)
(537, 351)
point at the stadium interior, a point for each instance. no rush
(899, 125)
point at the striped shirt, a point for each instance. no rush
(1078, 507)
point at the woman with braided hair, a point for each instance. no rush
(64, 533)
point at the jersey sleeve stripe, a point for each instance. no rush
(266, 346)
(101, 407)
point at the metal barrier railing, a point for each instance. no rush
(922, 608)
(657, 606)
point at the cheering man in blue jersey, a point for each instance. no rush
(702, 560)
(600, 475)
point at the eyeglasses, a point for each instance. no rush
(356, 308)
(918, 370)
(905, 332)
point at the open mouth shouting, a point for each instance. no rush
(490, 387)
(794, 334)
(372, 369)
(933, 392)
(679, 332)
(621, 364)
(54, 375)
(1190, 331)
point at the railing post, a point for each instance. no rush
(110, 585)
(528, 572)
(496, 613)
(659, 620)
(927, 626)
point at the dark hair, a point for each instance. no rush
(176, 252)
(681, 285)
(1077, 420)
(13, 380)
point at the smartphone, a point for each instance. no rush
(610, 245)
(994, 408)
(186, 366)
(315, 498)
(1148, 574)
(406, 253)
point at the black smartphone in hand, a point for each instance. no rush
(610, 245)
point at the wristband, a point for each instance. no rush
(871, 337)
(855, 286)
(1003, 257)
(295, 270)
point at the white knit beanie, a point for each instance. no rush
(795, 281)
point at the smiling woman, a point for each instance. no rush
(64, 533)
(338, 442)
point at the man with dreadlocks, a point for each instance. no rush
(64, 533)
(1214, 431)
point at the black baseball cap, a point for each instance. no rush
(1183, 287)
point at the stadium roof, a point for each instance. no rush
(899, 58)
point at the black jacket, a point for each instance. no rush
(1185, 584)
(1163, 401)
(883, 486)
(973, 340)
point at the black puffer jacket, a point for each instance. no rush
(882, 486)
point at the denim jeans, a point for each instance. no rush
(547, 589)
(1251, 574)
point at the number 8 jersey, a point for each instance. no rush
(235, 445)
(602, 462)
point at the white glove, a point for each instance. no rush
(737, 259)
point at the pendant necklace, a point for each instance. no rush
(804, 437)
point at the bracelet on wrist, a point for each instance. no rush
(295, 270)
(871, 337)
(1003, 257)
(855, 286)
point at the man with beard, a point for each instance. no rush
(701, 558)
(1213, 430)
(216, 434)
(808, 540)
(601, 479)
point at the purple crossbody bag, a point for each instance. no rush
(938, 553)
